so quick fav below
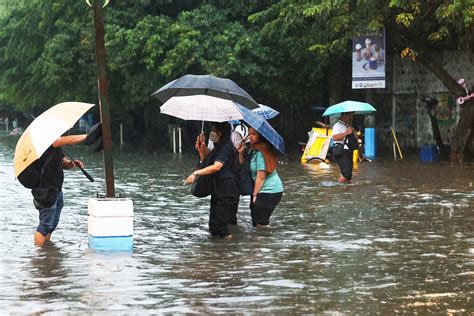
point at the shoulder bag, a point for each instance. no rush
(244, 179)
(204, 185)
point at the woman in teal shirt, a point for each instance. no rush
(268, 188)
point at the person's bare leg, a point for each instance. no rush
(228, 237)
(263, 226)
(48, 237)
(40, 239)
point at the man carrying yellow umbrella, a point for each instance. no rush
(39, 162)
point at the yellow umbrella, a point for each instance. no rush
(45, 130)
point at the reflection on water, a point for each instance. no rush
(397, 240)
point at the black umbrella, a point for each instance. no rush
(207, 85)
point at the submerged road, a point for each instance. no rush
(400, 239)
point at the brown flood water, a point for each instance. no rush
(400, 239)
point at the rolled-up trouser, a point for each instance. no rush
(224, 203)
(49, 217)
(263, 207)
(344, 160)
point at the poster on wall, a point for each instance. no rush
(445, 109)
(368, 61)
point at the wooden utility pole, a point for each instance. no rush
(103, 96)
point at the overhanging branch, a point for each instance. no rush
(434, 66)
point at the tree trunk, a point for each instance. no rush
(434, 125)
(463, 136)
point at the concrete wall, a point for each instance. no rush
(400, 104)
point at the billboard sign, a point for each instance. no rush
(368, 61)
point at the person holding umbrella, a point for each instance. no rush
(214, 99)
(53, 162)
(224, 196)
(345, 141)
(48, 198)
(39, 161)
(342, 131)
(268, 187)
(265, 143)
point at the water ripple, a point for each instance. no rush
(390, 243)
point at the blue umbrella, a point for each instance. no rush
(263, 128)
(265, 111)
(349, 106)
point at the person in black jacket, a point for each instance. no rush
(224, 196)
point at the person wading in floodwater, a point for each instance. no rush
(224, 195)
(49, 199)
(343, 136)
(268, 187)
(48, 196)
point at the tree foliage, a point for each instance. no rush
(46, 56)
(281, 52)
(424, 25)
(416, 29)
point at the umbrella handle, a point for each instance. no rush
(82, 169)
(87, 175)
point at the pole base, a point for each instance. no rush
(110, 224)
(114, 243)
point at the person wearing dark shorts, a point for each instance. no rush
(49, 216)
(54, 162)
(268, 188)
(341, 151)
(344, 160)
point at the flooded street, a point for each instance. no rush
(400, 239)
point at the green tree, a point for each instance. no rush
(157, 49)
(417, 29)
(47, 57)
(289, 54)
(426, 27)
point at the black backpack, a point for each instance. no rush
(31, 177)
(351, 142)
